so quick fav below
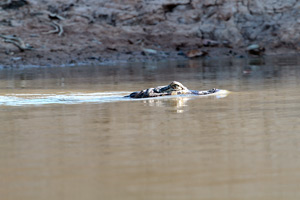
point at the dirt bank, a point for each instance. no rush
(88, 31)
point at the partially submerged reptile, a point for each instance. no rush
(174, 88)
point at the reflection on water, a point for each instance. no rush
(179, 102)
(244, 146)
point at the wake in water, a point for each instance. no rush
(79, 98)
(72, 98)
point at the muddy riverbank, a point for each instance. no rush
(84, 31)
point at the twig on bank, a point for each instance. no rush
(90, 18)
(58, 28)
(55, 16)
(18, 42)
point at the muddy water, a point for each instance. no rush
(67, 133)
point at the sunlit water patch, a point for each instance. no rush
(79, 98)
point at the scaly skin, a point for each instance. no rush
(174, 88)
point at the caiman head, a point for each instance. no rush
(175, 88)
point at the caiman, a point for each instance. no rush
(174, 88)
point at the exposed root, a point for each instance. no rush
(58, 28)
(18, 42)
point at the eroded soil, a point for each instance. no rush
(90, 31)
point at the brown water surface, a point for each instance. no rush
(67, 133)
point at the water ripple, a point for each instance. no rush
(79, 98)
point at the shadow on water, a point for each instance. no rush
(251, 68)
